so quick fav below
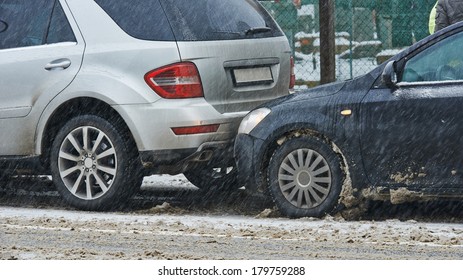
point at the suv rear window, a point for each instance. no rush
(139, 18)
(203, 20)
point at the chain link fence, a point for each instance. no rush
(367, 32)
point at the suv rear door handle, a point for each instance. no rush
(59, 64)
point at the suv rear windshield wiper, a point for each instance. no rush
(255, 30)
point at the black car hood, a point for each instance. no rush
(313, 93)
(320, 91)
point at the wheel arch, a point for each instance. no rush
(72, 108)
(349, 196)
(282, 134)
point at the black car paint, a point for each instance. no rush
(423, 124)
(387, 126)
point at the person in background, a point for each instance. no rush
(448, 12)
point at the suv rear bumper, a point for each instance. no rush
(151, 124)
(162, 151)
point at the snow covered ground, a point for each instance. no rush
(171, 219)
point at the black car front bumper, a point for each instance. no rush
(248, 161)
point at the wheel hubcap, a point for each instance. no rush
(304, 178)
(87, 162)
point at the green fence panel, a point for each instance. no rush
(367, 33)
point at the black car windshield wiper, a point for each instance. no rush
(255, 30)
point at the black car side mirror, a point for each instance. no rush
(3, 26)
(389, 75)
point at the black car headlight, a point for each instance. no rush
(252, 120)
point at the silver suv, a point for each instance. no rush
(99, 93)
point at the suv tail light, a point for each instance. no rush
(292, 79)
(180, 80)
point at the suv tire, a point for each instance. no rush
(93, 166)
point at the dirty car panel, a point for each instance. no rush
(396, 128)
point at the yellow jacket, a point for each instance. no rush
(432, 19)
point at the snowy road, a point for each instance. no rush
(170, 219)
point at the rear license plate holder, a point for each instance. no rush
(252, 76)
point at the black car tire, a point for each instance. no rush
(210, 178)
(305, 177)
(99, 175)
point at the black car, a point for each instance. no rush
(399, 127)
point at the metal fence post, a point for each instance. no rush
(327, 42)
